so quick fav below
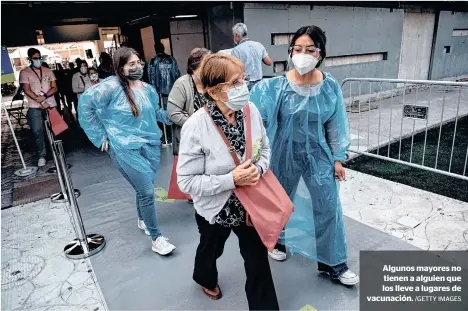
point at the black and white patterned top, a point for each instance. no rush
(233, 213)
(199, 100)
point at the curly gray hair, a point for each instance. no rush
(240, 29)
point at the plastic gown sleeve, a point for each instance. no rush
(161, 114)
(337, 131)
(90, 105)
(265, 96)
(191, 176)
(265, 155)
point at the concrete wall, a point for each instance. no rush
(220, 20)
(416, 49)
(456, 62)
(349, 31)
(185, 36)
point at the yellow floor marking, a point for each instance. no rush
(161, 195)
(308, 308)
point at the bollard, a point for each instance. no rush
(166, 143)
(84, 245)
(62, 196)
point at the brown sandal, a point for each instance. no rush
(213, 297)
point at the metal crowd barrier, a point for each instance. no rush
(25, 171)
(84, 245)
(166, 142)
(62, 196)
(383, 113)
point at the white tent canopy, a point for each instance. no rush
(23, 52)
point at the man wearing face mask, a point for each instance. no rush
(307, 126)
(251, 53)
(80, 83)
(40, 85)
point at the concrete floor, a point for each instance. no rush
(127, 275)
(132, 277)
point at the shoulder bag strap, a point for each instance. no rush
(233, 152)
(82, 80)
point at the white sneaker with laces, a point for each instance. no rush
(162, 246)
(349, 278)
(142, 226)
(277, 255)
(41, 162)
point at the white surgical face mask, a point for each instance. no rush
(304, 63)
(94, 77)
(84, 70)
(238, 97)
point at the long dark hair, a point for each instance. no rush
(317, 35)
(120, 58)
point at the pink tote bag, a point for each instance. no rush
(174, 191)
(267, 204)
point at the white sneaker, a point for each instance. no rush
(348, 278)
(41, 162)
(162, 246)
(142, 226)
(277, 255)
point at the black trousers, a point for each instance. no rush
(259, 287)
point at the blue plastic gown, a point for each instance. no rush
(105, 113)
(308, 130)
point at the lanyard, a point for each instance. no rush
(40, 78)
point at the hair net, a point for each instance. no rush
(308, 130)
(105, 113)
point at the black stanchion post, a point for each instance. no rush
(84, 245)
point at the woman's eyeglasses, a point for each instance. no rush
(236, 82)
(307, 49)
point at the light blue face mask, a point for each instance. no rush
(238, 97)
(37, 63)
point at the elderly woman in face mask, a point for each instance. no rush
(308, 129)
(206, 170)
(120, 115)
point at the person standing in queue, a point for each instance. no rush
(39, 85)
(308, 129)
(207, 171)
(105, 68)
(80, 83)
(93, 76)
(251, 53)
(186, 96)
(120, 115)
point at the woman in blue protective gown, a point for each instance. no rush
(307, 126)
(120, 115)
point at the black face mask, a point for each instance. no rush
(135, 74)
